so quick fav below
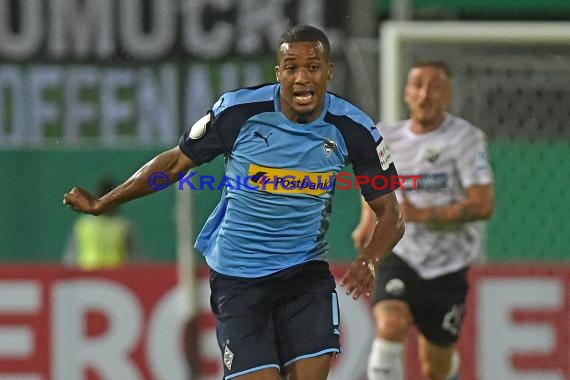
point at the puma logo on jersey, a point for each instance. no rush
(264, 138)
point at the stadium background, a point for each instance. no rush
(136, 93)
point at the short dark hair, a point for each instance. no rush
(304, 33)
(433, 63)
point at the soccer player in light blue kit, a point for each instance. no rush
(272, 292)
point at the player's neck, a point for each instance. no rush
(420, 127)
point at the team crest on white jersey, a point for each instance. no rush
(328, 146)
(432, 154)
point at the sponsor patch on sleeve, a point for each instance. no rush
(199, 128)
(482, 161)
(384, 155)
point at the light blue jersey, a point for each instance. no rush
(275, 209)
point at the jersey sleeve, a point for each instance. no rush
(202, 142)
(473, 160)
(216, 133)
(368, 154)
(374, 162)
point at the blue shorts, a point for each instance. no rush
(275, 320)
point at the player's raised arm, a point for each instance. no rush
(359, 278)
(167, 164)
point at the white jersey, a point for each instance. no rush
(449, 160)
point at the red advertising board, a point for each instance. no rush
(132, 323)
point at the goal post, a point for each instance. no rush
(395, 35)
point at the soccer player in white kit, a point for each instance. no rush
(424, 281)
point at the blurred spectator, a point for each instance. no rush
(102, 242)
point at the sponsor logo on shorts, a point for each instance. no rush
(395, 287)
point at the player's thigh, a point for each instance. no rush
(245, 328)
(439, 311)
(307, 322)
(316, 368)
(395, 288)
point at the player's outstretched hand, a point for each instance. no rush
(359, 278)
(80, 200)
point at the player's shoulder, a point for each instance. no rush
(464, 129)
(340, 108)
(392, 130)
(246, 95)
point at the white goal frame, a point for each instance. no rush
(393, 34)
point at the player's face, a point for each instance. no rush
(428, 94)
(303, 72)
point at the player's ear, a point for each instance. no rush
(277, 73)
(330, 71)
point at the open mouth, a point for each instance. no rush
(303, 97)
(426, 108)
